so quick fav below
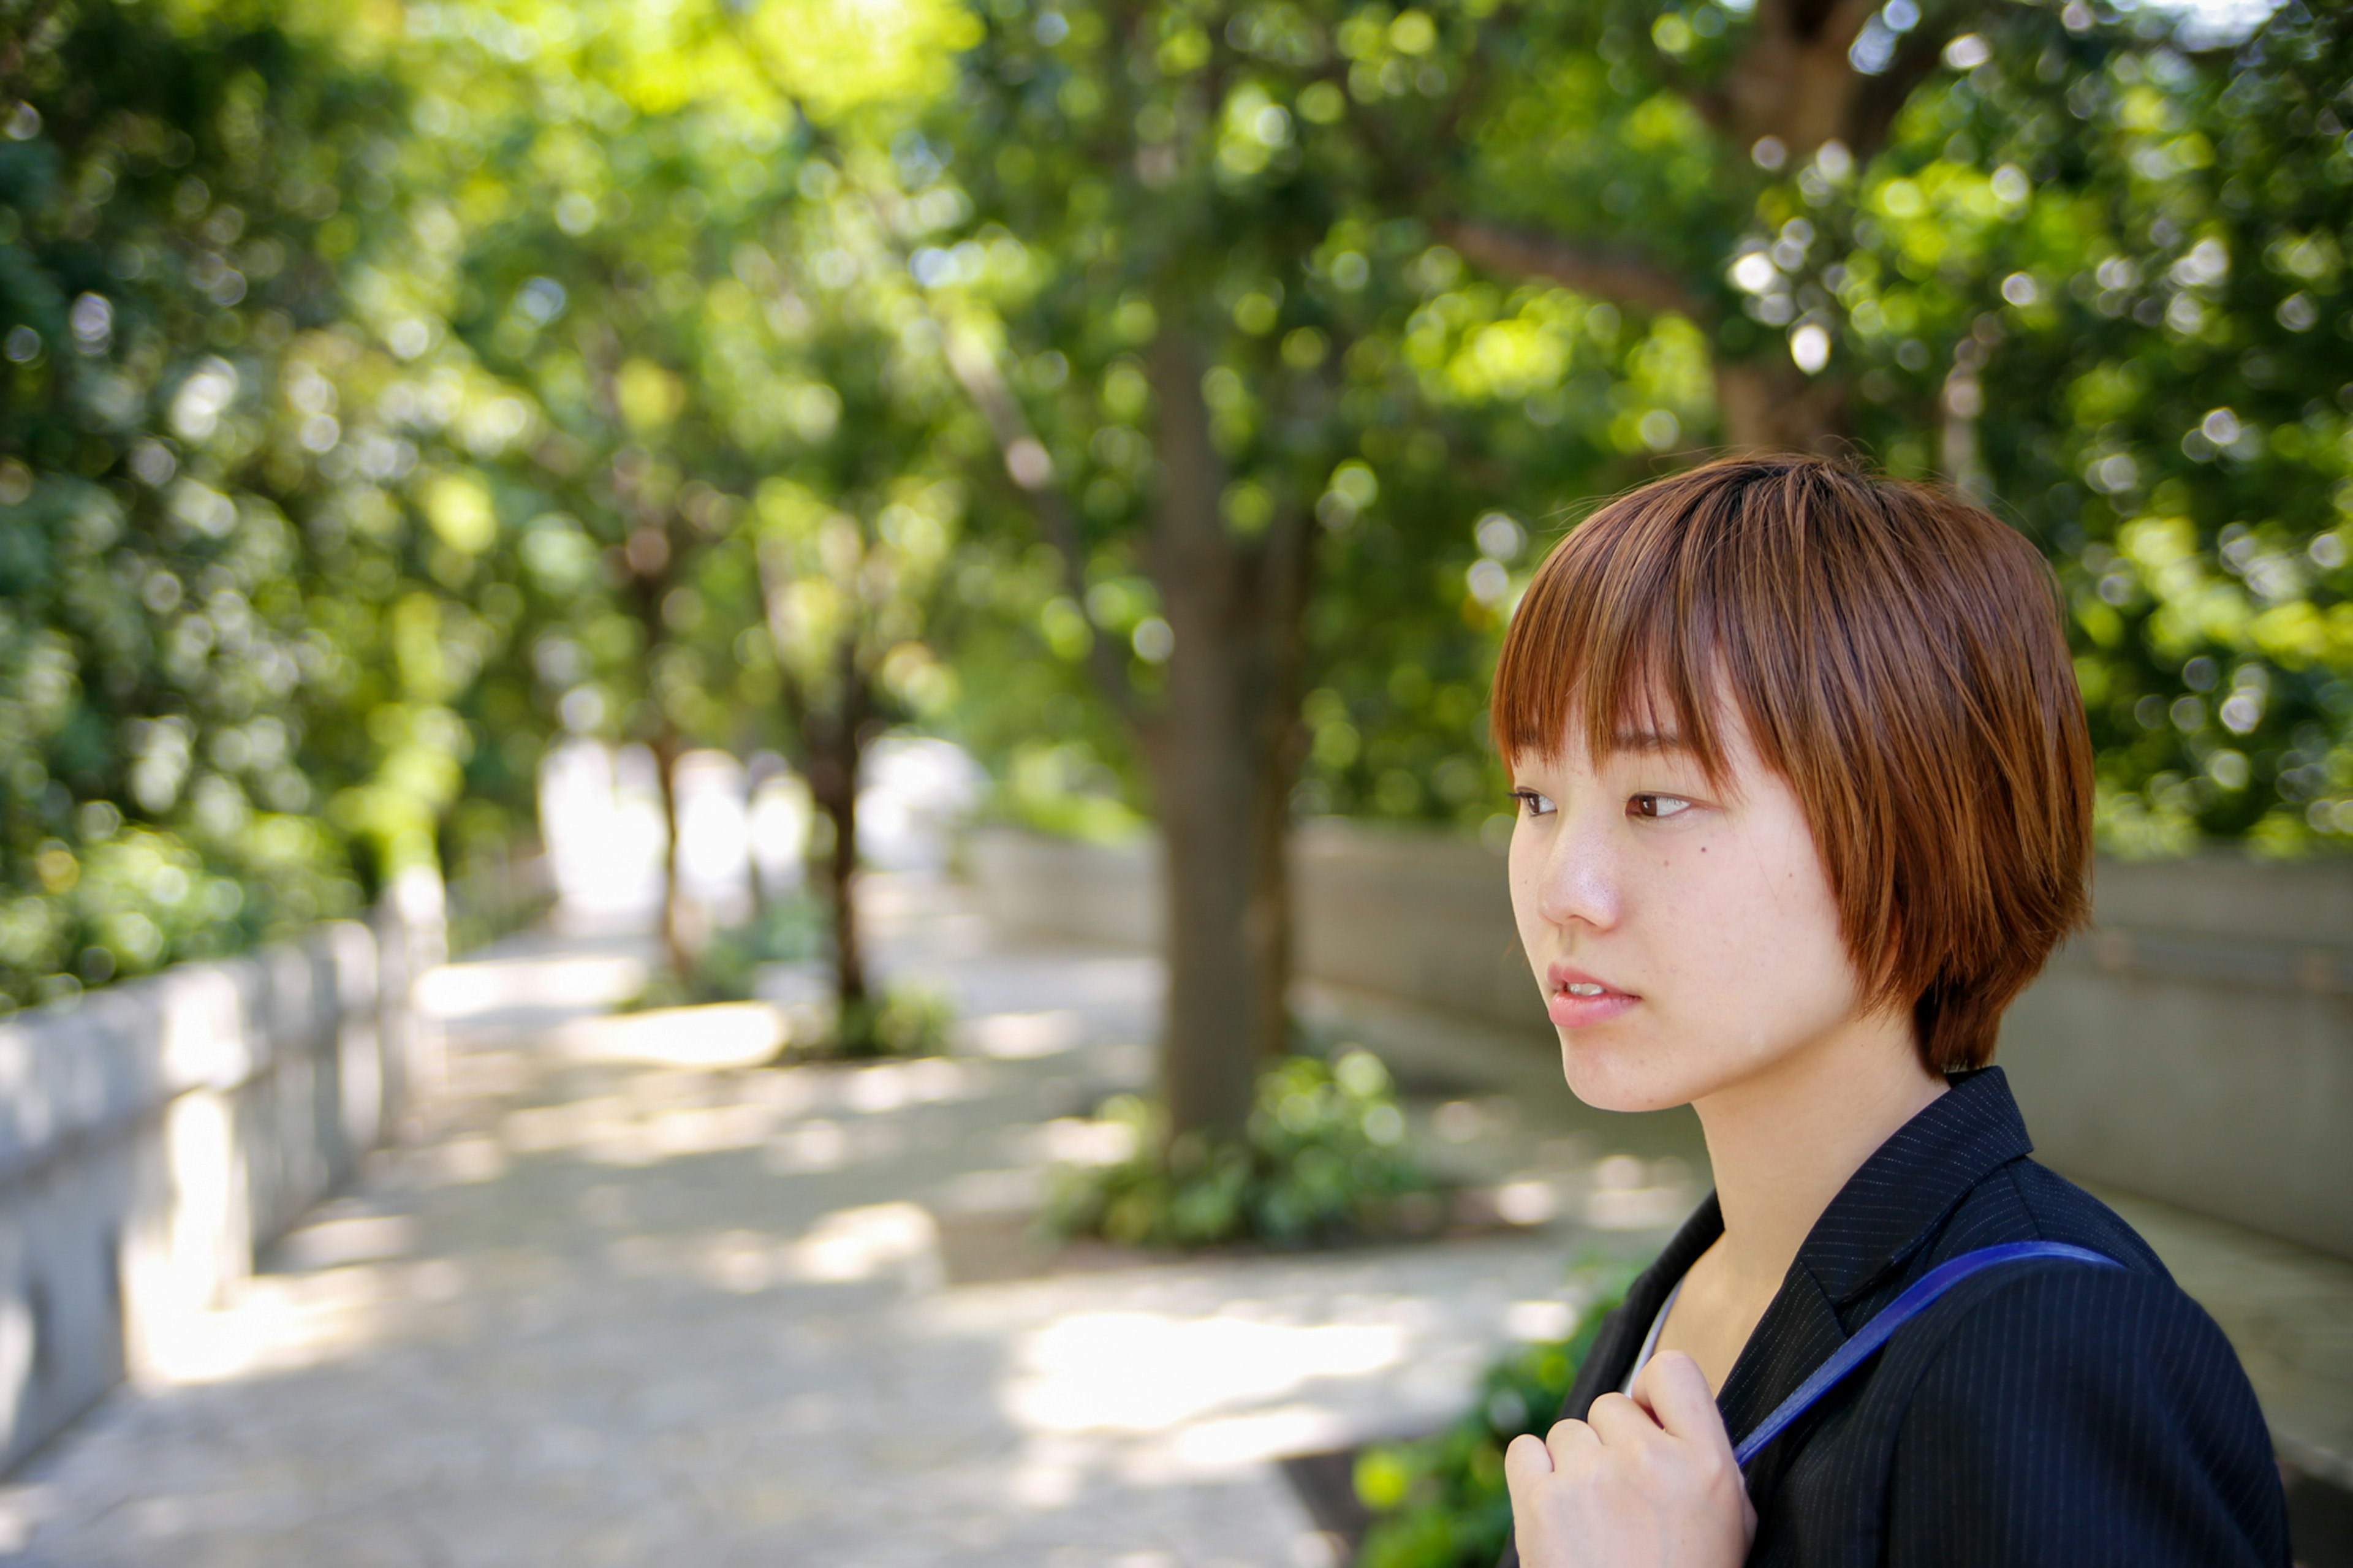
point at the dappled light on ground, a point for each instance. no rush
(723, 1035)
(463, 992)
(1142, 1371)
(1017, 1037)
(864, 1243)
(353, 1289)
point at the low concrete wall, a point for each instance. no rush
(2196, 1047)
(155, 1135)
(1064, 888)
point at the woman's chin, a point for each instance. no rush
(1605, 1080)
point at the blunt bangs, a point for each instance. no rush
(1632, 642)
(1894, 653)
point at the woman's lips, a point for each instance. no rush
(1572, 1012)
(1576, 1000)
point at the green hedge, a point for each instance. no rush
(1440, 1502)
(1322, 1159)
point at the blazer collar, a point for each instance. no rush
(1889, 1206)
(1622, 1333)
(1880, 1221)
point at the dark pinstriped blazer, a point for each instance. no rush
(2044, 1413)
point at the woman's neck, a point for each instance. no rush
(1784, 1142)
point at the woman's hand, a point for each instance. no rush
(1642, 1482)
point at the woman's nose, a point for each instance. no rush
(1578, 883)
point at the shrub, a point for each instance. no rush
(1440, 1502)
(786, 932)
(728, 968)
(701, 987)
(1322, 1159)
(906, 1021)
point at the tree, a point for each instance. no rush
(381, 402)
(194, 640)
(1166, 309)
(730, 502)
(1164, 279)
(1903, 228)
(2160, 401)
(854, 528)
(1629, 150)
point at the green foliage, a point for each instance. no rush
(201, 658)
(2190, 479)
(789, 931)
(904, 1020)
(1322, 1160)
(700, 986)
(2080, 254)
(2092, 275)
(728, 490)
(908, 1021)
(1134, 177)
(386, 393)
(727, 966)
(1062, 788)
(1440, 1502)
(2103, 273)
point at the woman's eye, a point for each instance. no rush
(1532, 804)
(1657, 807)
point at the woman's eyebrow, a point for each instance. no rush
(1648, 740)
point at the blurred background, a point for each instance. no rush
(745, 806)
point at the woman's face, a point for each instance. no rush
(1685, 935)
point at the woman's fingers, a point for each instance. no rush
(1673, 1390)
(1525, 1461)
(1617, 1420)
(1618, 1490)
(1568, 1439)
(1570, 1443)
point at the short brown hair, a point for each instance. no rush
(1897, 656)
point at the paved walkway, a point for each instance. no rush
(632, 1301)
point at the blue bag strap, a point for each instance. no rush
(1897, 1313)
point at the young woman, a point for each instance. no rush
(1805, 800)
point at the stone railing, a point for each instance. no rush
(157, 1136)
(2196, 1047)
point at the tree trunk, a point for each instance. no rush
(839, 805)
(754, 777)
(678, 943)
(836, 755)
(647, 557)
(1223, 747)
(1221, 754)
(1795, 83)
(1770, 406)
(834, 744)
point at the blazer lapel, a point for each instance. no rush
(1622, 1331)
(1873, 1233)
(1877, 1226)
